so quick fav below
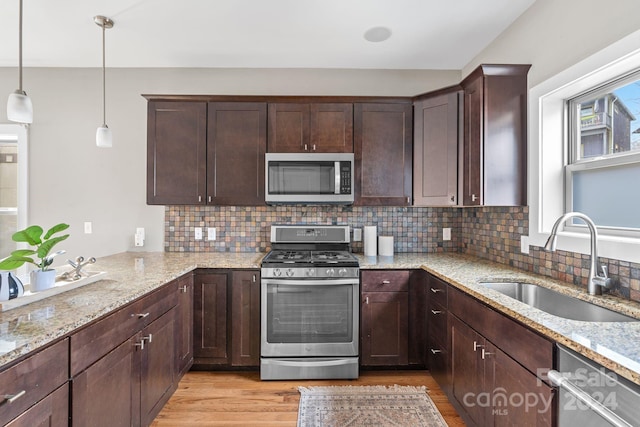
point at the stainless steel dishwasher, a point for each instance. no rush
(590, 395)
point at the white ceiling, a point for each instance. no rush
(426, 34)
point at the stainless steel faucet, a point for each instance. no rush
(595, 282)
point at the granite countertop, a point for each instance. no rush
(131, 275)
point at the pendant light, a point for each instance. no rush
(19, 106)
(104, 138)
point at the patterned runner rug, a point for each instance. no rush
(359, 406)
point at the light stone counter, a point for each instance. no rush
(131, 275)
(615, 345)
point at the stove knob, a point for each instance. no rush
(277, 272)
(290, 272)
(330, 272)
(309, 272)
(342, 272)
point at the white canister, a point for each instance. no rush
(385, 245)
(370, 240)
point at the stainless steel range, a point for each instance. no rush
(310, 304)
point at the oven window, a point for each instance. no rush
(309, 313)
(301, 177)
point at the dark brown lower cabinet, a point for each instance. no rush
(245, 312)
(184, 316)
(52, 411)
(210, 319)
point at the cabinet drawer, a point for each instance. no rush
(437, 291)
(521, 343)
(385, 281)
(33, 379)
(52, 411)
(91, 343)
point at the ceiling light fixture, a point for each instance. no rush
(19, 106)
(377, 34)
(104, 137)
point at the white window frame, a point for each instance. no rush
(548, 154)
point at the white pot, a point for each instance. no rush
(42, 280)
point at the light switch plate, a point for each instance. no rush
(446, 233)
(88, 227)
(211, 233)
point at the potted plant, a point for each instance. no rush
(43, 277)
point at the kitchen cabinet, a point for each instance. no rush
(310, 127)
(184, 315)
(127, 359)
(33, 388)
(496, 364)
(383, 150)
(236, 143)
(384, 318)
(494, 167)
(176, 152)
(438, 349)
(210, 319)
(435, 150)
(417, 318)
(245, 312)
(205, 153)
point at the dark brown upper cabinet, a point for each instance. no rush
(383, 150)
(176, 153)
(435, 149)
(310, 127)
(495, 141)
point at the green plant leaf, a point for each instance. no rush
(22, 252)
(45, 247)
(30, 235)
(56, 229)
(11, 262)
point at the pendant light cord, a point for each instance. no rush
(20, 48)
(104, 90)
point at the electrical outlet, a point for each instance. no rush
(198, 233)
(446, 233)
(211, 233)
(524, 244)
(139, 236)
(88, 229)
(357, 234)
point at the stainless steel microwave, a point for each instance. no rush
(309, 178)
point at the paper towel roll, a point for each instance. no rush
(370, 240)
(385, 245)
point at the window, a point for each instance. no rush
(549, 158)
(604, 155)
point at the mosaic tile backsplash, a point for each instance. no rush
(487, 232)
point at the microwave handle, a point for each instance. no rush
(336, 187)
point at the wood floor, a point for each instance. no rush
(241, 399)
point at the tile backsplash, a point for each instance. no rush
(487, 232)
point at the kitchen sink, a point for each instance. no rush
(555, 303)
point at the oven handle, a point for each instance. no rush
(304, 363)
(310, 282)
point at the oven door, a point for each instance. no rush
(301, 318)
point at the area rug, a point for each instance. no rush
(359, 406)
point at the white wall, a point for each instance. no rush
(72, 180)
(555, 34)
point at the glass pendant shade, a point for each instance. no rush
(19, 107)
(104, 137)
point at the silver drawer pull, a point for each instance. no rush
(10, 398)
(485, 353)
(385, 282)
(436, 311)
(149, 338)
(141, 315)
(434, 351)
(183, 289)
(436, 290)
(476, 346)
(140, 344)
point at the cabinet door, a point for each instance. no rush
(383, 152)
(331, 128)
(157, 368)
(245, 311)
(236, 143)
(385, 329)
(467, 369)
(288, 128)
(210, 318)
(176, 153)
(435, 151)
(52, 411)
(184, 326)
(108, 392)
(417, 317)
(472, 162)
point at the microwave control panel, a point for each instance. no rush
(345, 177)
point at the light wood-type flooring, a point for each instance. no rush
(241, 399)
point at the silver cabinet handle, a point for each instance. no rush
(140, 344)
(141, 315)
(476, 346)
(385, 282)
(253, 278)
(314, 147)
(436, 290)
(366, 300)
(183, 289)
(199, 198)
(306, 148)
(474, 197)
(560, 380)
(485, 353)
(209, 199)
(434, 351)
(149, 338)
(10, 398)
(436, 311)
